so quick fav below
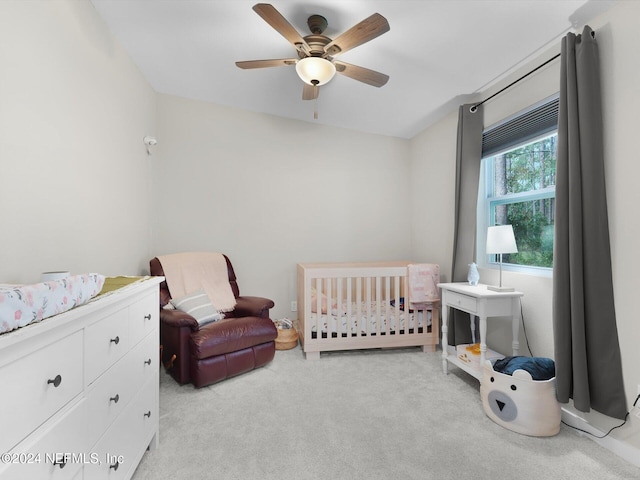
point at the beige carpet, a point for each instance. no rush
(379, 414)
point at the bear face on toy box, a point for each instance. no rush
(520, 403)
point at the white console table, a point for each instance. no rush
(484, 303)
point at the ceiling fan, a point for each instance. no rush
(316, 64)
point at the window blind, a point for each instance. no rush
(522, 127)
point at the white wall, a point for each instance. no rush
(74, 176)
(271, 192)
(433, 154)
(619, 46)
(433, 168)
(75, 180)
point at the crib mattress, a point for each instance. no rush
(341, 323)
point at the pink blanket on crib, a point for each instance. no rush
(423, 282)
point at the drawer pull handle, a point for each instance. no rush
(115, 399)
(61, 463)
(56, 381)
(147, 317)
(147, 362)
(148, 414)
(115, 340)
(115, 466)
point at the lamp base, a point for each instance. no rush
(501, 289)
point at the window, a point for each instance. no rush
(519, 171)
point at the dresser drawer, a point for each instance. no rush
(109, 395)
(105, 342)
(143, 317)
(37, 386)
(123, 445)
(462, 302)
(55, 452)
(146, 359)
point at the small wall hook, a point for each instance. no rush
(149, 141)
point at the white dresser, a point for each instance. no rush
(79, 390)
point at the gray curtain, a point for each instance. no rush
(587, 353)
(468, 156)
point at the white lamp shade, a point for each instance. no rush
(315, 70)
(500, 239)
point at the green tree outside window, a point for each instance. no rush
(523, 195)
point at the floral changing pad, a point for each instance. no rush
(21, 305)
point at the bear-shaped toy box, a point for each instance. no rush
(517, 400)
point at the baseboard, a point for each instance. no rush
(623, 441)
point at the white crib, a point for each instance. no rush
(348, 306)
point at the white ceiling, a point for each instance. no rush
(438, 53)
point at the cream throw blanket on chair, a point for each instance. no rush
(189, 272)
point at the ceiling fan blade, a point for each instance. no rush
(310, 92)
(366, 30)
(280, 62)
(370, 77)
(274, 18)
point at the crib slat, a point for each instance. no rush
(378, 306)
(330, 317)
(387, 305)
(349, 317)
(318, 308)
(359, 305)
(407, 307)
(396, 307)
(338, 310)
(368, 305)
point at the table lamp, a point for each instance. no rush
(500, 239)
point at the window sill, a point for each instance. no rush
(543, 272)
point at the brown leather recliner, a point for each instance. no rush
(240, 342)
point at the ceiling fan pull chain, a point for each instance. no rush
(315, 103)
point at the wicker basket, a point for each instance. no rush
(287, 338)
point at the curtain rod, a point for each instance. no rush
(475, 107)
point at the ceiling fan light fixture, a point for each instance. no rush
(315, 70)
